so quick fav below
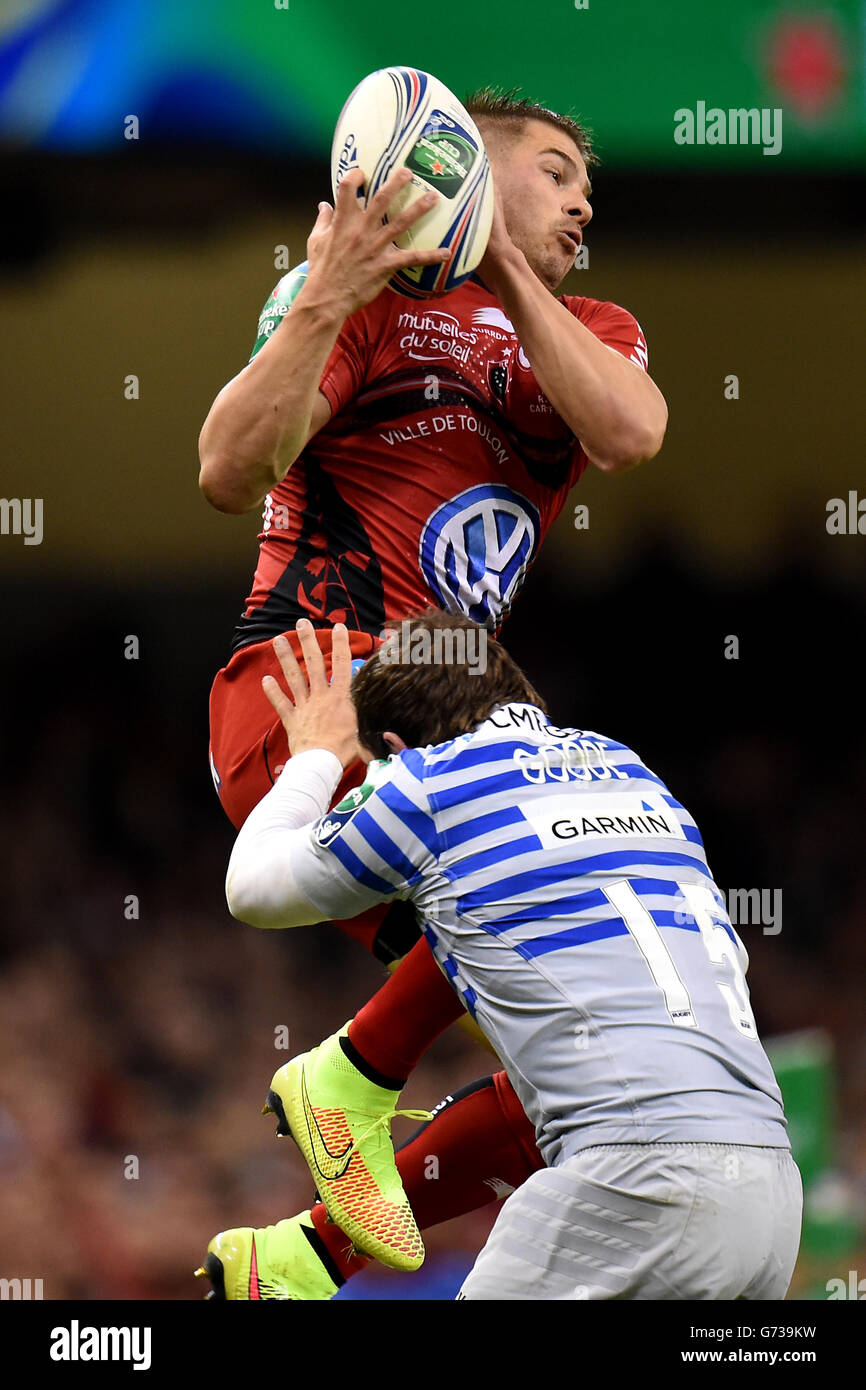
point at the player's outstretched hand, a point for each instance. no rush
(320, 714)
(351, 255)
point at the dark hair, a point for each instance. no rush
(430, 698)
(508, 108)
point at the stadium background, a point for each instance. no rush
(152, 1037)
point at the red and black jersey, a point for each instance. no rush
(439, 473)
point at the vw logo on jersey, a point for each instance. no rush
(476, 548)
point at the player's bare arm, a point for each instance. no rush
(263, 418)
(612, 406)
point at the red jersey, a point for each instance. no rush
(439, 473)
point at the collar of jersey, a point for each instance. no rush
(475, 278)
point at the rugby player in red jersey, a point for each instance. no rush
(412, 453)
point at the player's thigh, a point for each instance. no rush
(780, 1225)
(742, 1235)
(589, 1229)
(647, 1222)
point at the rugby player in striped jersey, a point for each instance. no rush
(566, 897)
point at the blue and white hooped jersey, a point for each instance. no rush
(566, 894)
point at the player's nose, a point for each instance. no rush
(579, 209)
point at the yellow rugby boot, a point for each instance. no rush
(341, 1121)
(280, 1261)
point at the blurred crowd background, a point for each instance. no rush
(137, 1021)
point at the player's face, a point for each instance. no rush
(545, 192)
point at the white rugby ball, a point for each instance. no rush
(400, 116)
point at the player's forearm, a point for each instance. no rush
(260, 886)
(260, 421)
(615, 410)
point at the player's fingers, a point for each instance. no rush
(396, 226)
(279, 699)
(404, 220)
(435, 257)
(324, 219)
(314, 659)
(341, 659)
(295, 678)
(346, 200)
(382, 200)
(416, 210)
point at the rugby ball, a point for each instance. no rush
(400, 116)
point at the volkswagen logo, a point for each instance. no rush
(475, 551)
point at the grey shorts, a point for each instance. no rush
(648, 1221)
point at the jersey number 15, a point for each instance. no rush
(720, 948)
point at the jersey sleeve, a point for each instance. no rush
(347, 361)
(346, 366)
(278, 304)
(617, 329)
(375, 846)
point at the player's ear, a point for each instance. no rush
(394, 742)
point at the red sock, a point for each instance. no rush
(394, 1029)
(483, 1144)
(338, 1245)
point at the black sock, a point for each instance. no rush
(324, 1254)
(363, 1066)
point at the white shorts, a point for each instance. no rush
(648, 1221)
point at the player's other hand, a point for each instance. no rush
(501, 251)
(320, 714)
(351, 255)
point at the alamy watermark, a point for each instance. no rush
(22, 516)
(854, 1288)
(846, 518)
(748, 907)
(77, 1343)
(736, 126)
(442, 647)
(20, 1289)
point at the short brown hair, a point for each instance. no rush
(509, 108)
(432, 701)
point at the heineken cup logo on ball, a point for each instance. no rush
(443, 159)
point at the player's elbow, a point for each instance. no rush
(631, 446)
(243, 898)
(245, 906)
(221, 498)
(248, 904)
(621, 460)
(221, 487)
